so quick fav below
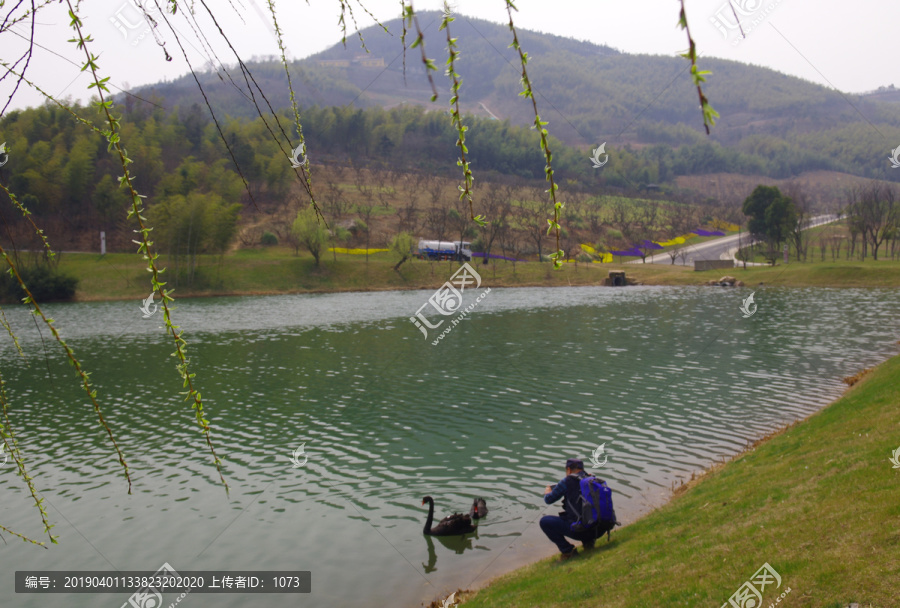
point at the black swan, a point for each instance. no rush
(479, 509)
(451, 525)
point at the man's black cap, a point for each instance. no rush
(574, 464)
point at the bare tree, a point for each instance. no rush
(822, 242)
(435, 187)
(648, 218)
(385, 182)
(497, 207)
(571, 212)
(283, 227)
(365, 211)
(436, 221)
(409, 212)
(681, 220)
(593, 213)
(570, 244)
(335, 203)
(874, 211)
(854, 227)
(799, 232)
(510, 243)
(365, 189)
(638, 226)
(835, 241)
(533, 215)
(458, 218)
(621, 218)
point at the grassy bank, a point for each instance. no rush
(817, 501)
(278, 270)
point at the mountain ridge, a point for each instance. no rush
(589, 93)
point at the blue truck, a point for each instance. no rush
(444, 250)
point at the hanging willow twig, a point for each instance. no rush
(10, 444)
(528, 92)
(304, 167)
(456, 82)
(145, 244)
(709, 114)
(347, 8)
(409, 15)
(6, 429)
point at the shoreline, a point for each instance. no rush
(117, 277)
(667, 497)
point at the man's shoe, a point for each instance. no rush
(564, 556)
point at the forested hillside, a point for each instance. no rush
(771, 124)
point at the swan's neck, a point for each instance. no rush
(430, 517)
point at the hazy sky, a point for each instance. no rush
(848, 46)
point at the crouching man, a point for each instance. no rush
(591, 521)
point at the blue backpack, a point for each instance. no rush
(593, 505)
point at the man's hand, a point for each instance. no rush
(547, 490)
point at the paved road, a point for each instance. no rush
(722, 248)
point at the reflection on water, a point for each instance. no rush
(456, 544)
(668, 378)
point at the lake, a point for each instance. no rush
(669, 379)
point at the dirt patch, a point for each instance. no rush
(851, 380)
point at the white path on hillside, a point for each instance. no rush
(723, 248)
(492, 115)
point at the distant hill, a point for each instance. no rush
(589, 93)
(889, 94)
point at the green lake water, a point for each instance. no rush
(669, 379)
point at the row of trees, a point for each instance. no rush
(180, 160)
(377, 205)
(186, 226)
(872, 213)
(62, 170)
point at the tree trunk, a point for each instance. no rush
(397, 265)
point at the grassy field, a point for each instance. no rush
(277, 270)
(826, 242)
(817, 501)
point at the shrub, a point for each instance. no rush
(268, 239)
(44, 283)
